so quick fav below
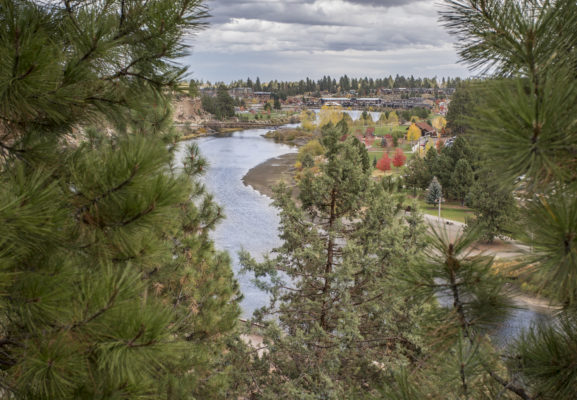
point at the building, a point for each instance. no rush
(262, 96)
(342, 101)
(368, 101)
(426, 129)
(241, 92)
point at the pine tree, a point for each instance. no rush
(434, 192)
(461, 362)
(461, 180)
(524, 131)
(277, 105)
(417, 175)
(494, 208)
(111, 287)
(338, 323)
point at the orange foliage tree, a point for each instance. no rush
(384, 164)
(399, 158)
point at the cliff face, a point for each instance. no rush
(187, 109)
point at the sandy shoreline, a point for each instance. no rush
(266, 175)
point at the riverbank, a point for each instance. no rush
(270, 173)
(214, 127)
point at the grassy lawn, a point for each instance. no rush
(450, 210)
(381, 130)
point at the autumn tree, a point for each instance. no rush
(439, 123)
(393, 119)
(399, 158)
(334, 312)
(414, 133)
(384, 163)
(111, 286)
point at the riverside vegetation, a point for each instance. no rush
(111, 287)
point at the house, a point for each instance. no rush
(426, 129)
(241, 92)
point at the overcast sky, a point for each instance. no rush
(295, 39)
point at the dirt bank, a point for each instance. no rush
(265, 176)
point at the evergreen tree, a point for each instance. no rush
(277, 105)
(111, 287)
(463, 107)
(461, 363)
(338, 323)
(460, 150)
(524, 132)
(434, 192)
(343, 125)
(224, 103)
(442, 168)
(193, 88)
(494, 207)
(461, 180)
(417, 175)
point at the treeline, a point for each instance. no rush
(344, 84)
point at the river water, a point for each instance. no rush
(251, 222)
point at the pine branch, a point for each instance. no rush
(108, 305)
(108, 193)
(141, 214)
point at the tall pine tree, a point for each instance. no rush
(111, 287)
(526, 130)
(337, 324)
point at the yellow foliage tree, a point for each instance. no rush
(393, 119)
(314, 148)
(428, 146)
(414, 133)
(383, 119)
(308, 120)
(439, 123)
(330, 114)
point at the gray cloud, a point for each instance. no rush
(289, 11)
(383, 3)
(287, 37)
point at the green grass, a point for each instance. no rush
(449, 210)
(380, 130)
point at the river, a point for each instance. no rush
(251, 222)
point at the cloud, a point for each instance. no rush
(319, 36)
